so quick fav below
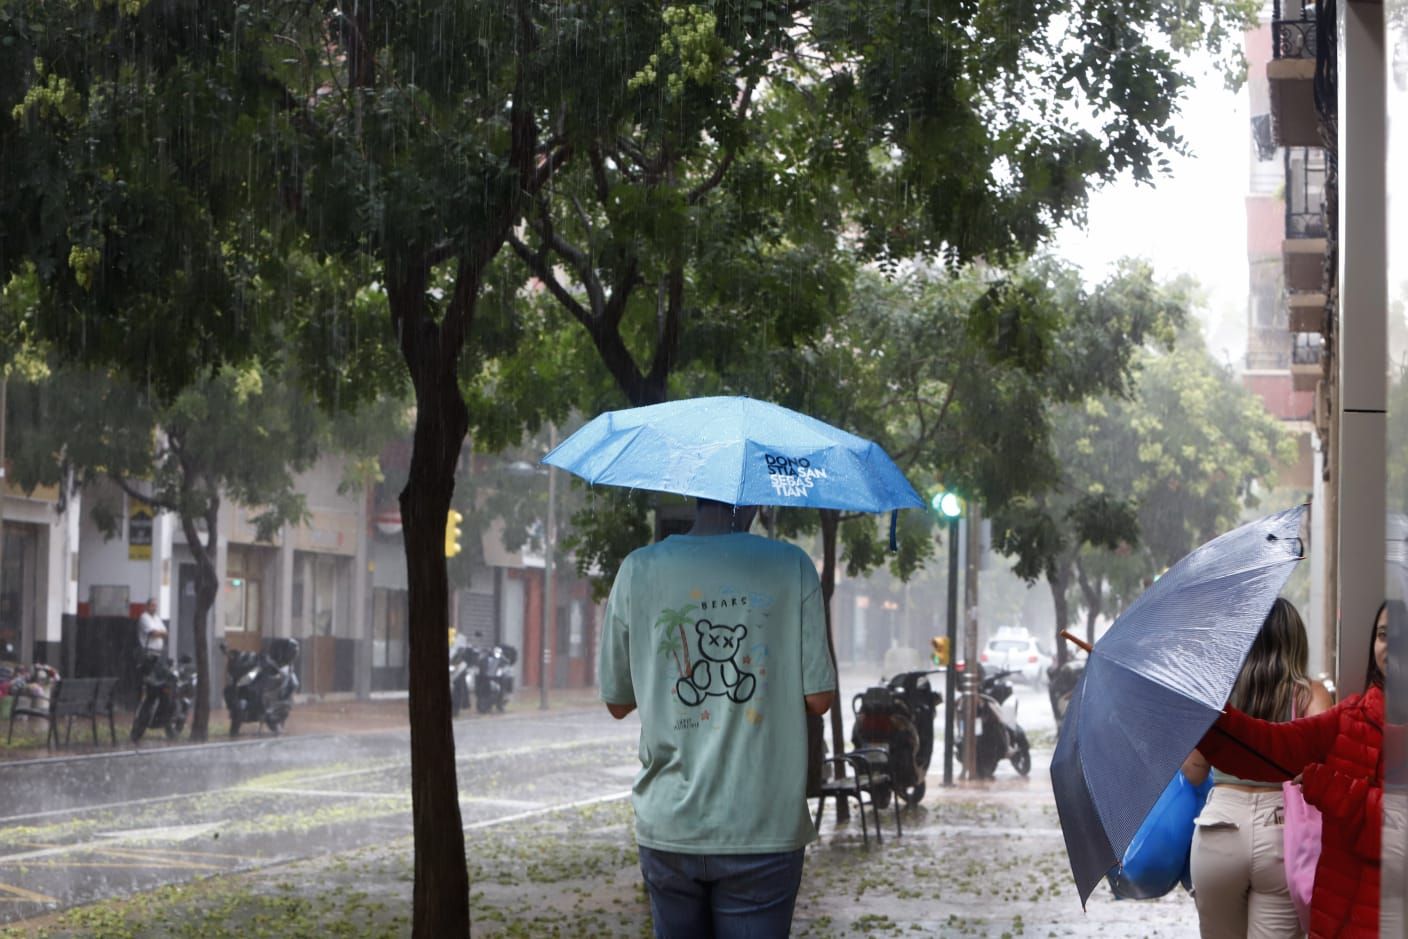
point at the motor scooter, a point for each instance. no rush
(899, 715)
(1060, 685)
(463, 658)
(259, 687)
(168, 692)
(494, 681)
(999, 735)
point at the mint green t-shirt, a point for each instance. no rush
(717, 639)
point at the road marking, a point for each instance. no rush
(548, 810)
(342, 774)
(132, 865)
(182, 852)
(324, 793)
(19, 894)
(506, 803)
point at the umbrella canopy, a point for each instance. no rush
(1157, 681)
(736, 450)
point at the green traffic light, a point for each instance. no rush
(947, 504)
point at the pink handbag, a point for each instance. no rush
(1301, 836)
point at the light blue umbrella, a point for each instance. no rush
(736, 450)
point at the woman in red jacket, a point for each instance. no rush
(1338, 756)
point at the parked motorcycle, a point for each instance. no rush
(168, 692)
(494, 681)
(259, 687)
(1060, 685)
(1000, 737)
(463, 658)
(899, 715)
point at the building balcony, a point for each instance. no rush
(1306, 312)
(1304, 262)
(1291, 75)
(1305, 174)
(1306, 370)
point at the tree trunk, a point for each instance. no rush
(684, 644)
(830, 522)
(1094, 594)
(207, 586)
(1058, 577)
(441, 892)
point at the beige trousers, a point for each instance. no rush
(1238, 864)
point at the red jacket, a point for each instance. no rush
(1340, 754)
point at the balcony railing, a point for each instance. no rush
(1305, 192)
(1292, 30)
(1307, 349)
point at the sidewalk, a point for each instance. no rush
(982, 860)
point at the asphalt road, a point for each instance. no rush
(86, 828)
(82, 829)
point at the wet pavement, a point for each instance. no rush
(309, 835)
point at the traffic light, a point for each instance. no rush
(947, 504)
(940, 653)
(452, 533)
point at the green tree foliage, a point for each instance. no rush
(240, 434)
(1146, 477)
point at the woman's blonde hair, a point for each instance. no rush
(1276, 668)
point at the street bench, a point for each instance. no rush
(864, 771)
(70, 698)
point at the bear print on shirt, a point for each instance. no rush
(715, 672)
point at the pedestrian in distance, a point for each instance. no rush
(151, 632)
(718, 638)
(1337, 756)
(1238, 866)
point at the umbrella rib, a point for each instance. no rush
(1154, 681)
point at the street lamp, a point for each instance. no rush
(950, 508)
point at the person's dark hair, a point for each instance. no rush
(1372, 674)
(1275, 668)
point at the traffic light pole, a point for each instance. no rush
(951, 630)
(549, 580)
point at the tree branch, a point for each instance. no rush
(165, 505)
(537, 263)
(740, 114)
(603, 184)
(547, 167)
(580, 261)
(621, 290)
(667, 330)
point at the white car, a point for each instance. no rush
(1017, 653)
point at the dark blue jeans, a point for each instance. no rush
(721, 896)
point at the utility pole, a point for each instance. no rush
(951, 631)
(970, 638)
(549, 580)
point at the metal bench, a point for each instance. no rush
(70, 698)
(863, 771)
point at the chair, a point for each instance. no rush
(863, 770)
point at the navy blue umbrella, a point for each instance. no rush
(736, 450)
(1157, 681)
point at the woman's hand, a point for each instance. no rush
(1195, 768)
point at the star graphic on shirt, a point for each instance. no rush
(704, 716)
(747, 660)
(763, 671)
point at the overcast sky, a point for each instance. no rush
(1193, 221)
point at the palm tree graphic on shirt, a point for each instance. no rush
(671, 620)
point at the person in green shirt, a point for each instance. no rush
(718, 638)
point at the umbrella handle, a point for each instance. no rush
(1074, 640)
